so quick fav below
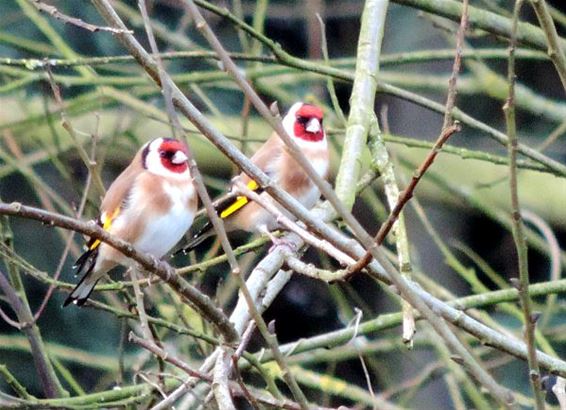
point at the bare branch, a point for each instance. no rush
(522, 283)
(52, 10)
(405, 196)
(148, 262)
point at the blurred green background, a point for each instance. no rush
(466, 199)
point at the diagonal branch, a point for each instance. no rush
(52, 10)
(199, 300)
(405, 197)
(51, 385)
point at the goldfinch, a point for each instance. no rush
(303, 123)
(151, 204)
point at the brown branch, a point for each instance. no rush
(166, 86)
(452, 90)
(199, 300)
(405, 196)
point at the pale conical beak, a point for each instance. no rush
(313, 125)
(179, 158)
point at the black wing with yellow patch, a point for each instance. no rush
(87, 260)
(230, 206)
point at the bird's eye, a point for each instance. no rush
(166, 154)
(302, 120)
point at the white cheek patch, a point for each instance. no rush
(152, 159)
(289, 119)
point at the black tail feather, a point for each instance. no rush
(83, 259)
(82, 290)
(203, 233)
(207, 230)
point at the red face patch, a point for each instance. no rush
(167, 150)
(303, 118)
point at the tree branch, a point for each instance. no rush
(148, 262)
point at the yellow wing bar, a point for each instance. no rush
(106, 224)
(239, 202)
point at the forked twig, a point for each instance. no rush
(405, 197)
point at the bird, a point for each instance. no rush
(304, 123)
(151, 205)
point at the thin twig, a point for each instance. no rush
(144, 323)
(452, 88)
(14, 383)
(517, 222)
(329, 82)
(405, 197)
(69, 243)
(52, 10)
(67, 125)
(9, 320)
(552, 137)
(251, 399)
(554, 256)
(555, 50)
(312, 271)
(33, 64)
